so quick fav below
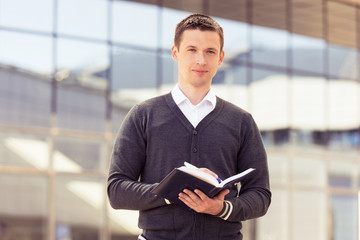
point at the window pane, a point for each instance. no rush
(24, 150)
(309, 215)
(308, 102)
(129, 28)
(309, 171)
(343, 104)
(93, 13)
(134, 76)
(169, 19)
(82, 82)
(169, 70)
(343, 170)
(345, 217)
(26, 52)
(23, 208)
(270, 108)
(133, 69)
(269, 46)
(278, 166)
(79, 208)
(277, 215)
(308, 53)
(234, 86)
(236, 44)
(343, 62)
(75, 155)
(268, 36)
(30, 15)
(24, 98)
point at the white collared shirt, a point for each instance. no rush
(194, 113)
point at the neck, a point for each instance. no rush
(194, 94)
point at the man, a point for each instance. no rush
(190, 124)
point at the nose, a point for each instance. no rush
(200, 58)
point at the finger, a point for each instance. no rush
(201, 195)
(193, 196)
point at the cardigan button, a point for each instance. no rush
(194, 149)
(195, 132)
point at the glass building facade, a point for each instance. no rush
(70, 70)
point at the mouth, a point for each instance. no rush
(199, 71)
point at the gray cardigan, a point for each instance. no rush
(156, 137)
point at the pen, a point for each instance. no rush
(189, 165)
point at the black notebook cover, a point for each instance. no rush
(176, 181)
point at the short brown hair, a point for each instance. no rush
(201, 22)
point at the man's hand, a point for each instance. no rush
(201, 203)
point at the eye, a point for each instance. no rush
(191, 50)
(211, 52)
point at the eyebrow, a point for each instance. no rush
(210, 48)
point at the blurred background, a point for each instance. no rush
(71, 69)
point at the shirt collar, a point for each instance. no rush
(179, 96)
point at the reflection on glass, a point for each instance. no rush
(81, 108)
(134, 76)
(343, 62)
(24, 150)
(344, 210)
(24, 98)
(344, 139)
(308, 53)
(135, 29)
(80, 207)
(78, 154)
(82, 81)
(309, 215)
(93, 13)
(343, 171)
(26, 52)
(269, 46)
(308, 137)
(30, 15)
(23, 208)
(270, 108)
(276, 137)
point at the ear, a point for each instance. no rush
(221, 58)
(174, 52)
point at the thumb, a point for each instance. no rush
(222, 194)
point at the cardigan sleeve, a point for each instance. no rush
(254, 197)
(124, 189)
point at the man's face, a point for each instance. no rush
(198, 57)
